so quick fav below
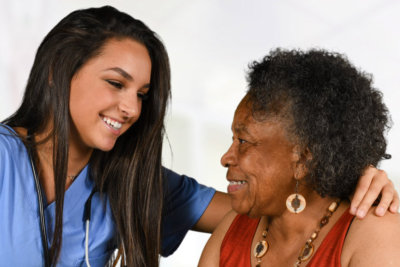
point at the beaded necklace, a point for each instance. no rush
(307, 251)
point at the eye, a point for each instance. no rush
(115, 84)
(242, 141)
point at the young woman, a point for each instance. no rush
(85, 146)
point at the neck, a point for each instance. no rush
(78, 157)
(288, 226)
(289, 234)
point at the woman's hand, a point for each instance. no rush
(373, 183)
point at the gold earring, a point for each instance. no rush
(296, 203)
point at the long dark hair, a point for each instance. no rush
(130, 174)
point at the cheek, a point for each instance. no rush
(269, 179)
(135, 118)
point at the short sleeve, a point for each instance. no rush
(2, 159)
(184, 202)
(7, 147)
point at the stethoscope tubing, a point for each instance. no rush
(43, 233)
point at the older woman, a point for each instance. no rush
(303, 134)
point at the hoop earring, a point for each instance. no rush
(296, 203)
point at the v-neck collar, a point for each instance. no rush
(78, 190)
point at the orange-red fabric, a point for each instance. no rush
(330, 250)
(236, 246)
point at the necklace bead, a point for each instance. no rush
(307, 251)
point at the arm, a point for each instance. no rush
(373, 183)
(210, 255)
(220, 205)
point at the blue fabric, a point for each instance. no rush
(186, 200)
(20, 239)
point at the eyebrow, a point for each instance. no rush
(122, 73)
(241, 128)
(126, 75)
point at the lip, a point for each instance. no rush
(111, 129)
(114, 119)
(233, 188)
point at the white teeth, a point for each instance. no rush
(115, 124)
(236, 182)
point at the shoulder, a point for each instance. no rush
(373, 241)
(226, 222)
(8, 136)
(11, 145)
(185, 201)
(181, 190)
(210, 256)
(9, 140)
(11, 148)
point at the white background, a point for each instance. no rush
(210, 43)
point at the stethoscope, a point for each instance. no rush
(86, 214)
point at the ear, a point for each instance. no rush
(300, 157)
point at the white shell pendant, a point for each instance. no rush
(260, 249)
(295, 203)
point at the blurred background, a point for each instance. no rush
(210, 43)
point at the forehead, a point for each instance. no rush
(243, 116)
(244, 123)
(121, 54)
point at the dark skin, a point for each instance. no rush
(372, 183)
(267, 165)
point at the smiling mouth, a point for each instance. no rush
(236, 182)
(235, 186)
(112, 123)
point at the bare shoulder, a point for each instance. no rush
(210, 255)
(373, 241)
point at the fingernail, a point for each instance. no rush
(360, 214)
(380, 211)
(353, 210)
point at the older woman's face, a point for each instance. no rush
(260, 164)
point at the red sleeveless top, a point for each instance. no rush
(236, 246)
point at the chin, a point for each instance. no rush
(239, 207)
(106, 147)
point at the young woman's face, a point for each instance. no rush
(106, 93)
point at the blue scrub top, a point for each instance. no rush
(20, 238)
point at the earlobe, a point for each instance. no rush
(296, 153)
(307, 154)
(300, 157)
(300, 171)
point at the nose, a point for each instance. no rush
(229, 158)
(130, 105)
